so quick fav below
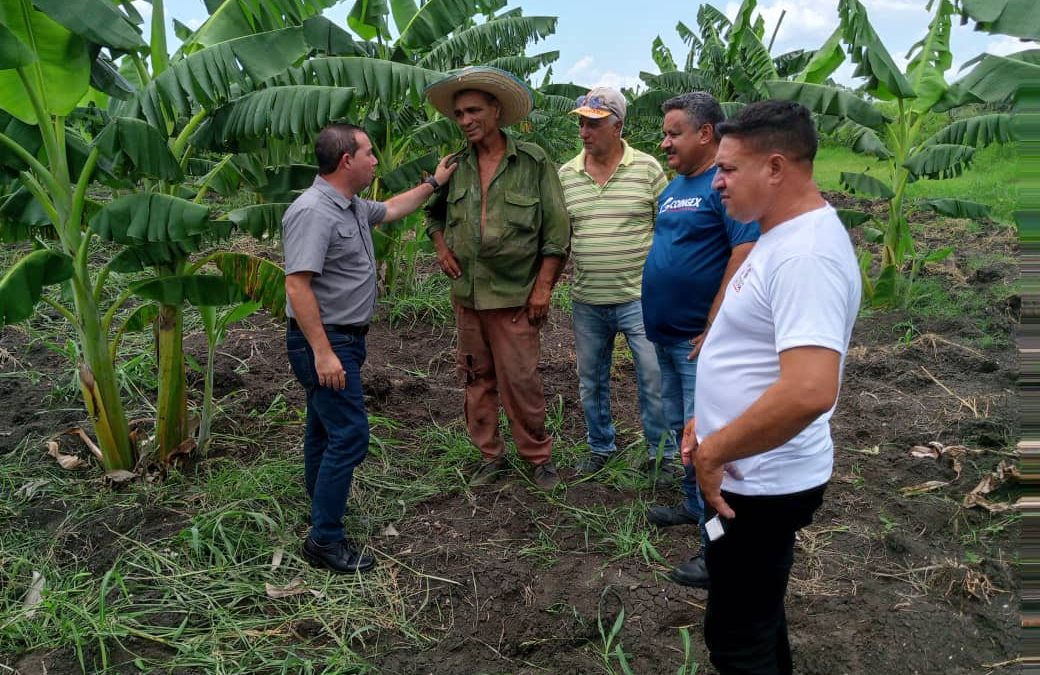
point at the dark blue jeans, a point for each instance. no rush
(745, 626)
(678, 384)
(336, 437)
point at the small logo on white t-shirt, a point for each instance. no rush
(740, 277)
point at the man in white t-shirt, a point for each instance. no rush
(767, 381)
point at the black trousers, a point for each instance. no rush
(745, 626)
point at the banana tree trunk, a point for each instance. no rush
(171, 424)
(97, 379)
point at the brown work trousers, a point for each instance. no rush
(497, 357)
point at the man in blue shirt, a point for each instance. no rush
(695, 251)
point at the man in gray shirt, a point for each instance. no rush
(330, 283)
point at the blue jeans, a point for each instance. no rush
(595, 327)
(678, 384)
(336, 436)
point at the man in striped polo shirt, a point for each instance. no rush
(611, 192)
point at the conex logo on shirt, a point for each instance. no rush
(673, 204)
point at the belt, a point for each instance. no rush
(344, 328)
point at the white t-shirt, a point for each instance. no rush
(799, 287)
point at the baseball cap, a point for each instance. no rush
(601, 102)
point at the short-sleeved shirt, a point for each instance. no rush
(799, 287)
(325, 233)
(693, 240)
(526, 221)
(612, 226)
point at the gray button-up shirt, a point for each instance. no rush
(325, 233)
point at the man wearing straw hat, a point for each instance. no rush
(502, 234)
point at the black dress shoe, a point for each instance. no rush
(668, 516)
(341, 557)
(692, 573)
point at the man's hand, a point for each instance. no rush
(709, 476)
(330, 370)
(448, 262)
(697, 343)
(445, 256)
(444, 170)
(688, 447)
(537, 307)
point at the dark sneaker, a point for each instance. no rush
(489, 471)
(341, 557)
(545, 476)
(692, 573)
(667, 472)
(593, 463)
(669, 516)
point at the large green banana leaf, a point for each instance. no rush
(139, 257)
(1019, 18)
(213, 76)
(260, 220)
(861, 183)
(977, 132)
(13, 52)
(492, 39)
(198, 289)
(98, 21)
(868, 52)
(60, 73)
(230, 19)
(329, 39)
(941, 160)
(676, 82)
(407, 175)
(994, 79)
(260, 280)
(280, 112)
(142, 145)
(958, 208)
(524, 66)
(372, 78)
(22, 285)
(825, 61)
(150, 217)
(434, 20)
(367, 18)
(828, 101)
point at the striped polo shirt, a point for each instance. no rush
(612, 226)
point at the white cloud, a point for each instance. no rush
(581, 67)
(812, 19)
(587, 73)
(1009, 45)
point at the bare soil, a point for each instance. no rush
(882, 583)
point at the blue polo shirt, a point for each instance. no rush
(693, 238)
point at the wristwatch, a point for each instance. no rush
(432, 182)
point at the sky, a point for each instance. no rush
(608, 42)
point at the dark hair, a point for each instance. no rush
(785, 127)
(332, 143)
(700, 107)
(489, 98)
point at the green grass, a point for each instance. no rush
(992, 179)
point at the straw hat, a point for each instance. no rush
(513, 95)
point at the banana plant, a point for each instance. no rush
(905, 153)
(728, 59)
(61, 131)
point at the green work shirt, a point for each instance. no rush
(526, 220)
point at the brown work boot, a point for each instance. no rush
(545, 476)
(489, 471)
